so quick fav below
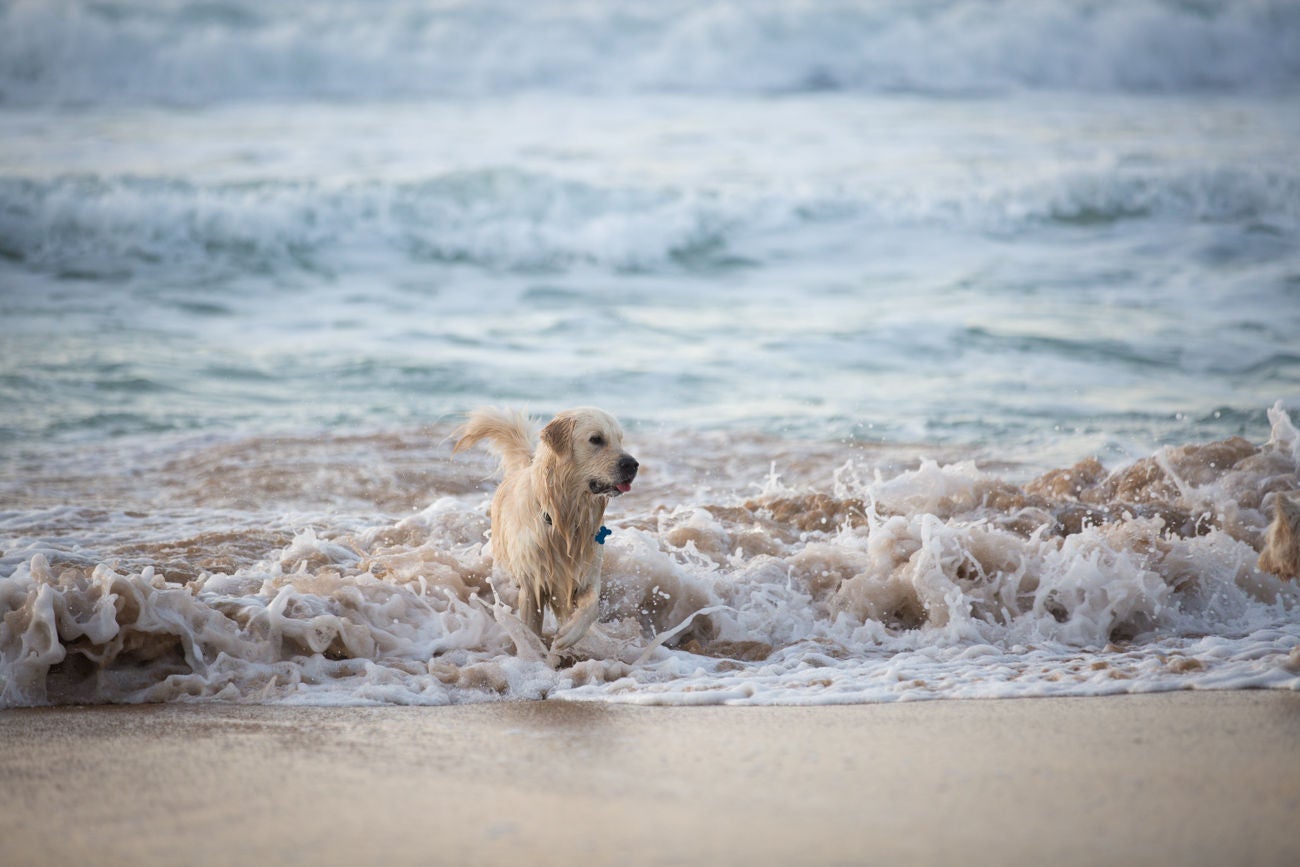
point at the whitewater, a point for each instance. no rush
(957, 343)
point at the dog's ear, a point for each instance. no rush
(559, 434)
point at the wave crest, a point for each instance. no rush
(529, 221)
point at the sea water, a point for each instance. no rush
(957, 341)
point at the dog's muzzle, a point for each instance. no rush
(627, 467)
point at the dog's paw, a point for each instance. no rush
(575, 627)
(558, 659)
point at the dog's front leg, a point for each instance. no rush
(586, 608)
(530, 608)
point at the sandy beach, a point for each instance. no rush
(1183, 778)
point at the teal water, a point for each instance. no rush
(1055, 276)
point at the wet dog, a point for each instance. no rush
(546, 515)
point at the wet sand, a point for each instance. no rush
(1179, 778)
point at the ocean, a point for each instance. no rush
(957, 341)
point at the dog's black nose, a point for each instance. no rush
(627, 466)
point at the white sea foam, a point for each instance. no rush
(180, 51)
(939, 581)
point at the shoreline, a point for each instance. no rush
(1174, 778)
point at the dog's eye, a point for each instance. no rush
(596, 440)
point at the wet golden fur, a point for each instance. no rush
(1281, 554)
(549, 507)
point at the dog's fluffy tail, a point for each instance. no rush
(509, 435)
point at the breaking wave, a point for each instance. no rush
(180, 51)
(524, 220)
(865, 582)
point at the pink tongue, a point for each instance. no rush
(623, 487)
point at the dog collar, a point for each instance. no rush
(601, 535)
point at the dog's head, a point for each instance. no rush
(591, 440)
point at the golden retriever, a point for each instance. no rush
(546, 515)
